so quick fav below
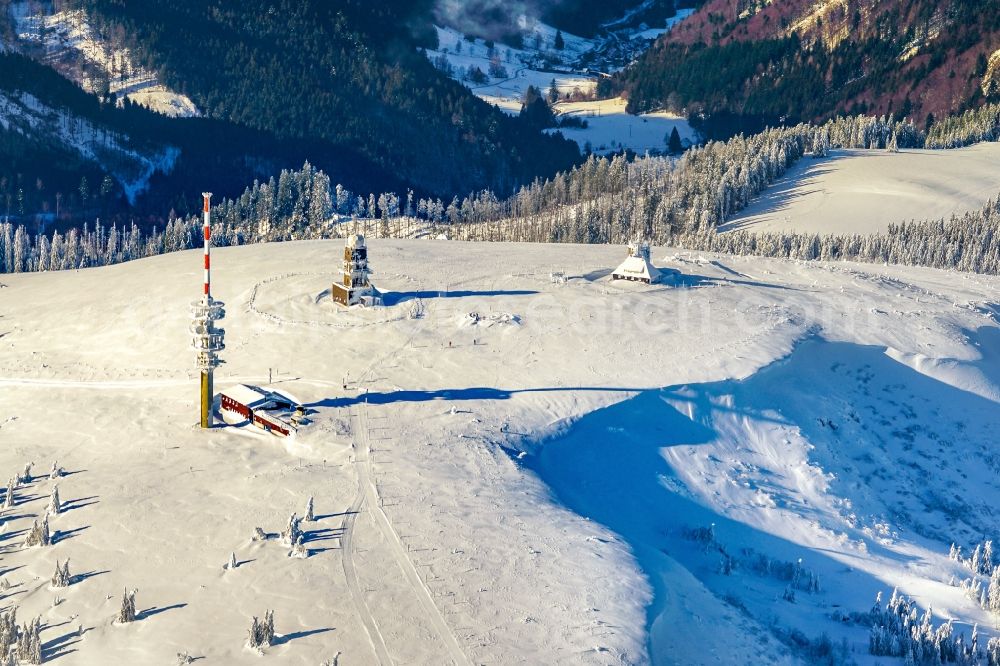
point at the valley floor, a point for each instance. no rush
(530, 471)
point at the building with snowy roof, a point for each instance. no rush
(269, 411)
(637, 267)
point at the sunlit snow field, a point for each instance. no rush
(554, 480)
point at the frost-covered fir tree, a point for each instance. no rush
(309, 517)
(39, 534)
(232, 564)
(56, 472)
(993, 652)
(29, 643)
(993, 592)
(62, 577)
(261, 633)
(127, 612)
(290, 535)
(25, 477)
(9, 632)
(299, 550)
(9, 499)
(55, 506)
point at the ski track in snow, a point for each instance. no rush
(348, 554)
(365, 466)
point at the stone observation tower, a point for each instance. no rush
(353, 288)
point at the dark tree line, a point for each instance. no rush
(680, 202)
(348, 73)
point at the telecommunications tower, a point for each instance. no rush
(207, 340)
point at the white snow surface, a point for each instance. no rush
(504, 493)
(507, 92)
(609, 128)
(864, 191)
(71, 45)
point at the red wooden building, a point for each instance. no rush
(269, 411)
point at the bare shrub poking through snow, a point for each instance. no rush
(127, 612)
(261, 632)
(62, 577)
(39, 534)
(55, 506)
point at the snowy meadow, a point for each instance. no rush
(516, 459)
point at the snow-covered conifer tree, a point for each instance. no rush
(993, 592)
(29, 643)
(290, 535)
(269, 626)
(57, 471)
(309, 517)
(9, 499)
(127, 612)
(39, 534)
(55, 506)
(261, 633)
(299, 550)
(61, 578)
(9, 632)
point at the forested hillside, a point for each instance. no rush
(66, 165)
(347, 73)
(791, 60)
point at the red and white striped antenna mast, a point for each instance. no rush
(207, 228)
(207, 340)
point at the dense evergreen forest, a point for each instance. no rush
(210, 151)
(913, 60)
(345, 73)
(678, 202)
(585, 17)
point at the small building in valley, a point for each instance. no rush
(637, 267)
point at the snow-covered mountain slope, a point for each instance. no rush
(132, 166)
(610, 129)
(68, 42)
(716, 470)
(864, 191)
(509, 71)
